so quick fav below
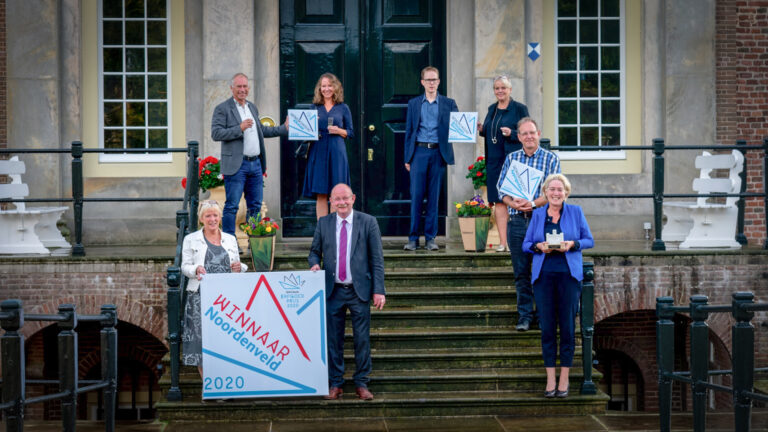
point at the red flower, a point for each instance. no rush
(479, 174)
(184, 182)
(266, 219)
(479, 158)
(207, 172)
(471, 167)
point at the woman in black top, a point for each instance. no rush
(500, 132)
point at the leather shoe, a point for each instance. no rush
(411, 245)
(334, 393)
(523, 326)
(549, 394)
(561, 394)
(364, 394)
(431, 245)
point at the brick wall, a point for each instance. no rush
(741, 50)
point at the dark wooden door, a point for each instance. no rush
(377, 49)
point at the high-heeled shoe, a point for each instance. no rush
(561, 393)
(549, 394)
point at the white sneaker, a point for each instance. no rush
(501, 248)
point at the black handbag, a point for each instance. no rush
(302, 151)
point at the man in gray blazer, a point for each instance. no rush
(243, 160)
(349, 245)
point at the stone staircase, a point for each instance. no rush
(445, 345)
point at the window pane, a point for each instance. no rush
(566, 58)
(113, 86)
(611, 136)
(157, 84)
(610, 85)
(113, 138)
(156, 33)
(610, 8)
(113, 32)
(588, 85)
(609, 33)
(134, 33)
(566, 8)
(156, 8)
(566, 31)
(588, 8)
(135, 114)
(158, 114)
(611, 111)
(158, 138)
(136, 138)
(589, 136)
(134, 87)
(113, 113)
(588, 112)
(134, 59)
(567, 112)
(134, 8)
(588, 58)
(112, 8)
(157, 60)
(568, 136)
(588, 31)
(610, 58)
(566, 85)
(113, 59)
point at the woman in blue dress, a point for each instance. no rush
(327, 163)
(500, 132)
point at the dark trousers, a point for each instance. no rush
(247, 179)
(342, 299)
(521, 262)
(557, 300)
(427, 168)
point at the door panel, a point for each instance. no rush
(399, 38)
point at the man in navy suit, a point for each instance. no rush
(427, 152)
(243, 161)
(349, 245)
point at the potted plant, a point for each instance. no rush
(477, 173)
(474, 222)
(261, 233)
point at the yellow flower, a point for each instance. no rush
(458, 206)
(269, 229)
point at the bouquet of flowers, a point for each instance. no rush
(209, 171)
(259, 226)
(473, 207)
(477, 172)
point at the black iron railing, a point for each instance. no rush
(742, 308)
(14, 398)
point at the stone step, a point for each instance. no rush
(451, 296)
(457, 358)
(453, 316)
(421, 260)
(448, 337)
(395, 404)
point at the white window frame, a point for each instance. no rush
(586, 154)
(139, 158)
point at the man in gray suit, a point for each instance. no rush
(243, 160)
(349, 245)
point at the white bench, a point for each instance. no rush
(701, 223)
(26, 230)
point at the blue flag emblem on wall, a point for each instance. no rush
(534, 50)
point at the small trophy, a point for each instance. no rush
(554, 239)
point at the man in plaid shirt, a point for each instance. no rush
(520, 213)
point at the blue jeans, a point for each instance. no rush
(247, 179)
(342, 299)
(521, 262)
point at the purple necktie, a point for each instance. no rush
(343, 252)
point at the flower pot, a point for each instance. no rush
(474, 232)
(262, 252)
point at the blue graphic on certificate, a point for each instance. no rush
(462, 127)
(302, 125)
(521, 181)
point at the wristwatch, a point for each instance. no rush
(533, 205)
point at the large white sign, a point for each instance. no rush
(264, 334)
(462, 127)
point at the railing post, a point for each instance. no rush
(193, 182)
(545, 143)
(77, 196)
(765, 189)
(740, 237)
(68, 366)
(658, 191)
(699, 361)
(174, 330)
(587, 326)
(665, 359)
(12, 347)
(743, 339)
(109, 364)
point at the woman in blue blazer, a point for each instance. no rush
(556, 274)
